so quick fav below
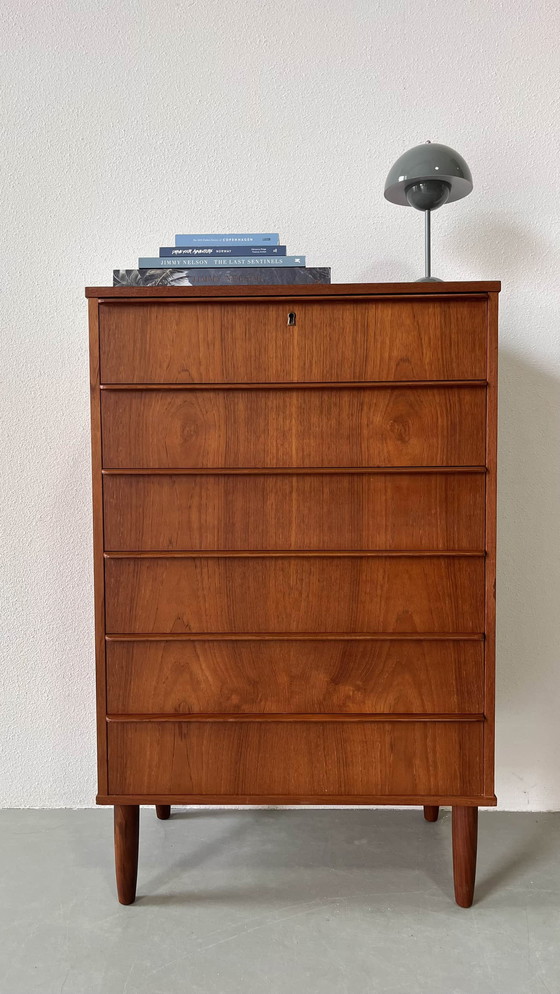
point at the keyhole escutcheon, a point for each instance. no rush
(291, 318)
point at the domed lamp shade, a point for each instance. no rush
(426, 177)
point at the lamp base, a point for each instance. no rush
(429, 279)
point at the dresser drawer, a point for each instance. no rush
(294, 594)
(211, 342)
(313, 427)
(295, 758)
(283, 676)
(295, 511)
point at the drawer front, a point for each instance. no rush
(314, 427)
(295, 758)
(294, 594)
(251, 342)
(252, 676)
(318, 511)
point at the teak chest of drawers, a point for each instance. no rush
(294, 536)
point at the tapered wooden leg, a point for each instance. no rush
(465, 834)
(127, 819)
(431, 812)
(163, 811)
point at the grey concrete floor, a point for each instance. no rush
(278, 902)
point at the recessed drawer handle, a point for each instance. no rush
(292, 318)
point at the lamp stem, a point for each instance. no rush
(428, 244)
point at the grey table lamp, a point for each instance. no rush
(426, 177)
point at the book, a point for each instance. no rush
(215, 262)
(242, 239)
(221, 276)
(211, 250)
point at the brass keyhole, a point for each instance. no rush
(292, 318)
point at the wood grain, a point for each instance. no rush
(250, 341)
(322, 676)
(295, 758)
(490, 572)
(387, 511)
(282, 428)
(471, 800)
(126, 832)
(98, 548)
(464, 821)
(295, 549)
(295, 594)
(317, 290)
(294, 718)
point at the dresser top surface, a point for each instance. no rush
(309, 290)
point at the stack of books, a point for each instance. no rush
(222, 260)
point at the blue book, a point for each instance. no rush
(215, 262)
(210, 250)
(242, 239)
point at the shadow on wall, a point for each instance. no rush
(497, 244)
(528, 739)
(528, 736)
(392, 271)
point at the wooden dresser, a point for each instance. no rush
(294, 533)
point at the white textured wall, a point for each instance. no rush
(128, 122)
